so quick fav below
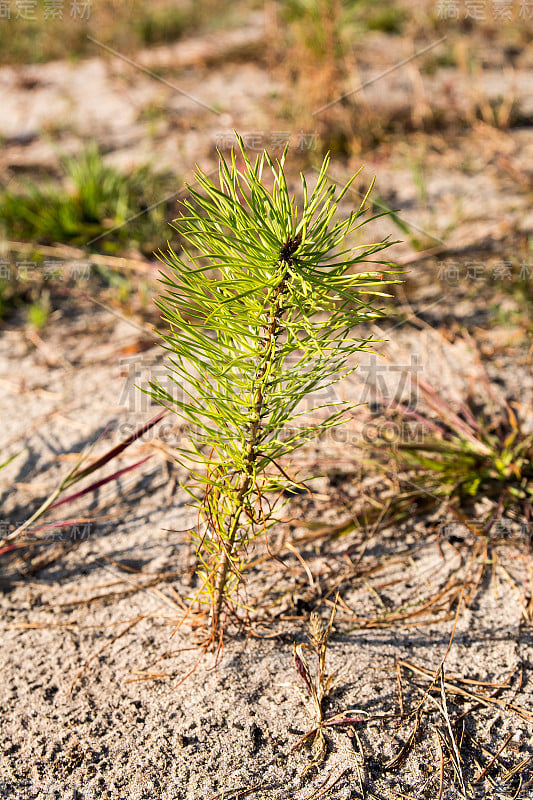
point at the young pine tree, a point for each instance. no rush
(261, 305)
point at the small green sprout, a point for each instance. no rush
(261, 307)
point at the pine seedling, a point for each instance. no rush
(261, 305)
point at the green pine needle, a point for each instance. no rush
(261, 310)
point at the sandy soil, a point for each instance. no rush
(92, 699)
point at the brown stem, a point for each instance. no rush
(228, 552)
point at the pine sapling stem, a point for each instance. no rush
(227, 554)
(273, 331)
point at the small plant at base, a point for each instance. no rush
(261, 310)
(319, 685)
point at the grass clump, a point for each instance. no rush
(93, 204)
(388, 19)
(260, 308)
(463, 453)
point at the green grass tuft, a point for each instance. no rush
(94, 201)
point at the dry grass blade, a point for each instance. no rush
(323, 789)
(360, 765)
(483, 699)
(494, 758)
(517, 769)
(441, 763)
(144, 675)
(400, 759)
(78, 473)
(242, 791)
(107, 597)
(454, 750)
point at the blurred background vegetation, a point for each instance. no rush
(326, 65)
